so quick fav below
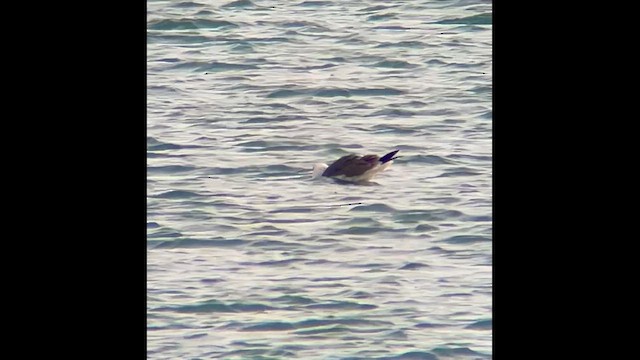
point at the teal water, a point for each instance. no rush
(247, 257)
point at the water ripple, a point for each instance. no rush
(217, 306)
(335, 92)
(189, 24)
(247, 256)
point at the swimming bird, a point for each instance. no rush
(354, 168)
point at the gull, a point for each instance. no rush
(354, 168)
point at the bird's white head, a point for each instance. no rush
(318, 169)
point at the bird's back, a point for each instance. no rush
(352, 165)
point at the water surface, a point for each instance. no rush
(249, 259)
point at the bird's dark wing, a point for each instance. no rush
(351, 165)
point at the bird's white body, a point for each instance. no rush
(318, 169)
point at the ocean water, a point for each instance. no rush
(247, 257)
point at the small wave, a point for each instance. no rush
(268, 233)
(189, 24)
(411, 355)
(163, 233)
(324, 330)
(392, 113)
(481, 325)
(273, 244)
(440, 112)
(197, 243)
(163, 88)
(335, 59)
(211, 281)
(293, 210)
(169, 169)
(413, 266)
(167, 60)
(232, 170)
(260, 171)
(294, 300)
(430, 325)
(374, 208)
(342, 321)
(178, 39)
(403, 44)
(436, 62)
(396, 335)
(151, 155)
(362, 294)
(448, 295)
(268, 39)
(459, 172)
(242, 48)
(276, 262)
(306, 25)
(468, 65)
(297, 24)
(377, 92)
(382, 17)
(392, 27)
(315, 326)
(213, 306)
(283, 93)
(342, 305)
(455, 352)
(168, 327)
(474, 158)
(360, 221)
(394, 64)
(280, 147)
(281, 106)
(292, 221)
(377, 8)
(276, 119)
(466, 239)
(205, 13)
(361, 230)
(253, 354)
(413, 216)
(479, 19)
(316, 67)
(425, 228)
(178, 194)
(479, 218)
(281, 169)
(428, 159)
(481, 89)
(218, 66)
(331, 92)
(157, 145)
(314, 3)
(269, 326)
(239, 4)
(186, 5)
(329, 279)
